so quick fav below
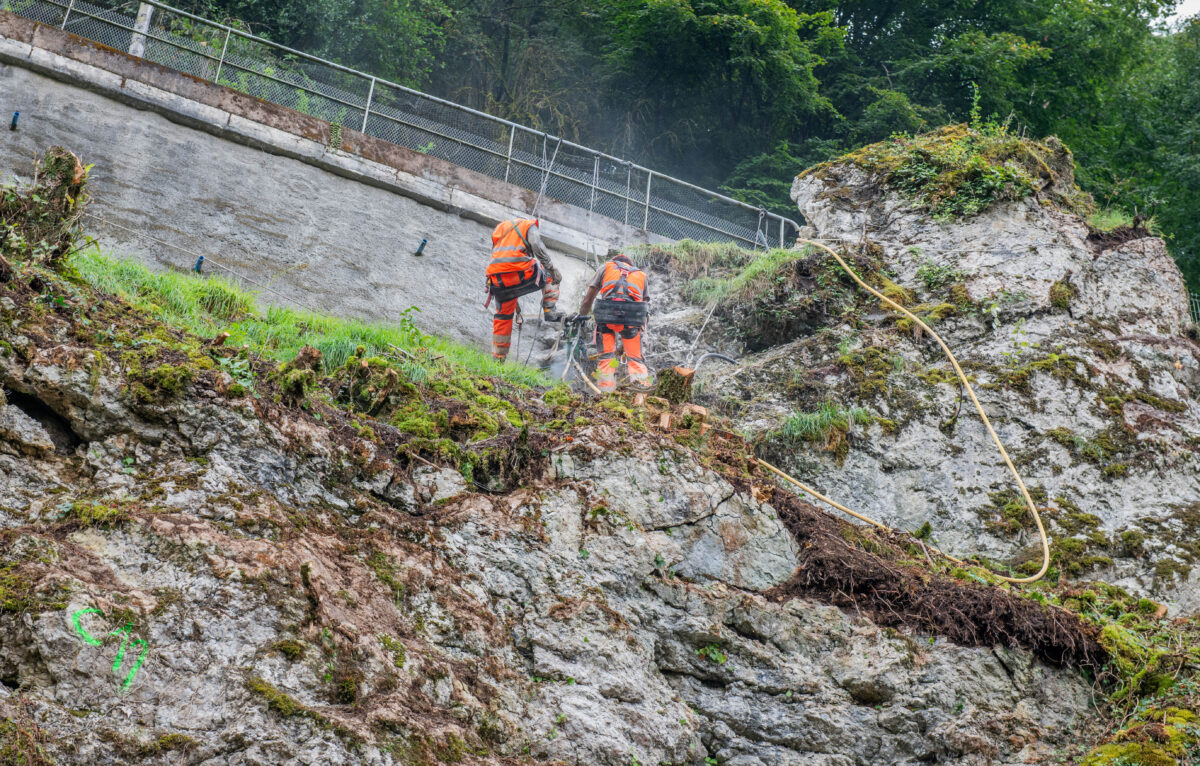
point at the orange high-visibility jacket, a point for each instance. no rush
(622, 282)
(510, 247)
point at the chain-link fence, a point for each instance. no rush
(1194, 305)
(591, 180)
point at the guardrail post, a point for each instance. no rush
(781, 244)
(137, 45)
(67, 15)
(367, 108)
(646, 217)
(512, 133)
(221, 61)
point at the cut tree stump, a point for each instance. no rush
(675, 384)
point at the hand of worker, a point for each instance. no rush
(555, 275)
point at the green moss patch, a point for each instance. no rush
(22, 591)
(956, 171)
(85, 515)
(1062, 293)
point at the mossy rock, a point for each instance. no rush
(958, 171)
(1062, 293)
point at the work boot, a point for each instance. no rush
(552, 315)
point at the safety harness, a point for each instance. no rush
(621, 302)
(528, 281)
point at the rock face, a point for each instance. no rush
(210, 578)
(1078, 347)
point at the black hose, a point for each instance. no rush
(722, 357)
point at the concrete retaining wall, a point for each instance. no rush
(258, 188)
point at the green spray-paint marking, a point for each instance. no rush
(139, 644)
(82, 631)
(145, 647)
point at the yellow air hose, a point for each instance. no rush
(978, 408)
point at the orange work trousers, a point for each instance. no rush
(606, 365)
(506, 312)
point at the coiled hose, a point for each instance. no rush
(978, 408)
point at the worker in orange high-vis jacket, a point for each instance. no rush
(621, 308)
(520, 265)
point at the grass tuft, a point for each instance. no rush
(206, 306)
(817, 426)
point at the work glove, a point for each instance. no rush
(555, 276)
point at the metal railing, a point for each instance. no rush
(1194, 305)
(594, 181)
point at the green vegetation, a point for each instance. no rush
(755, 277)
(21, 593)
(936, 277)
(818, 426)
(1007, 513)
(209, 306)
(289, 707)
(869, 368)
(827, 427)
(956, 171)
(1150, 680)
(767, 297)
(290, 648)
(384, 567)
(278, 701)
(22, 743)
(396, 647)
(167, 743)
(96, 515)
(1061, 294)
(713, 654)
(1108, 218)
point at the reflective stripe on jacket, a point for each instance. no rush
(510, 247)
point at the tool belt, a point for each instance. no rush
(628, 313)
(529, 282)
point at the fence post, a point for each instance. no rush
(67, 15)
(367, 108)
(508, 158)
(137, 45)
(595, 180)
(646, 217)
(781, 244)
(628, 181)
(221, 61)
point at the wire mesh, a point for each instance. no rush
(568, 173)
(49, 13)
(1194, 305)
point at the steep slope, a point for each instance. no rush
(1077, 341)
(208, 557)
